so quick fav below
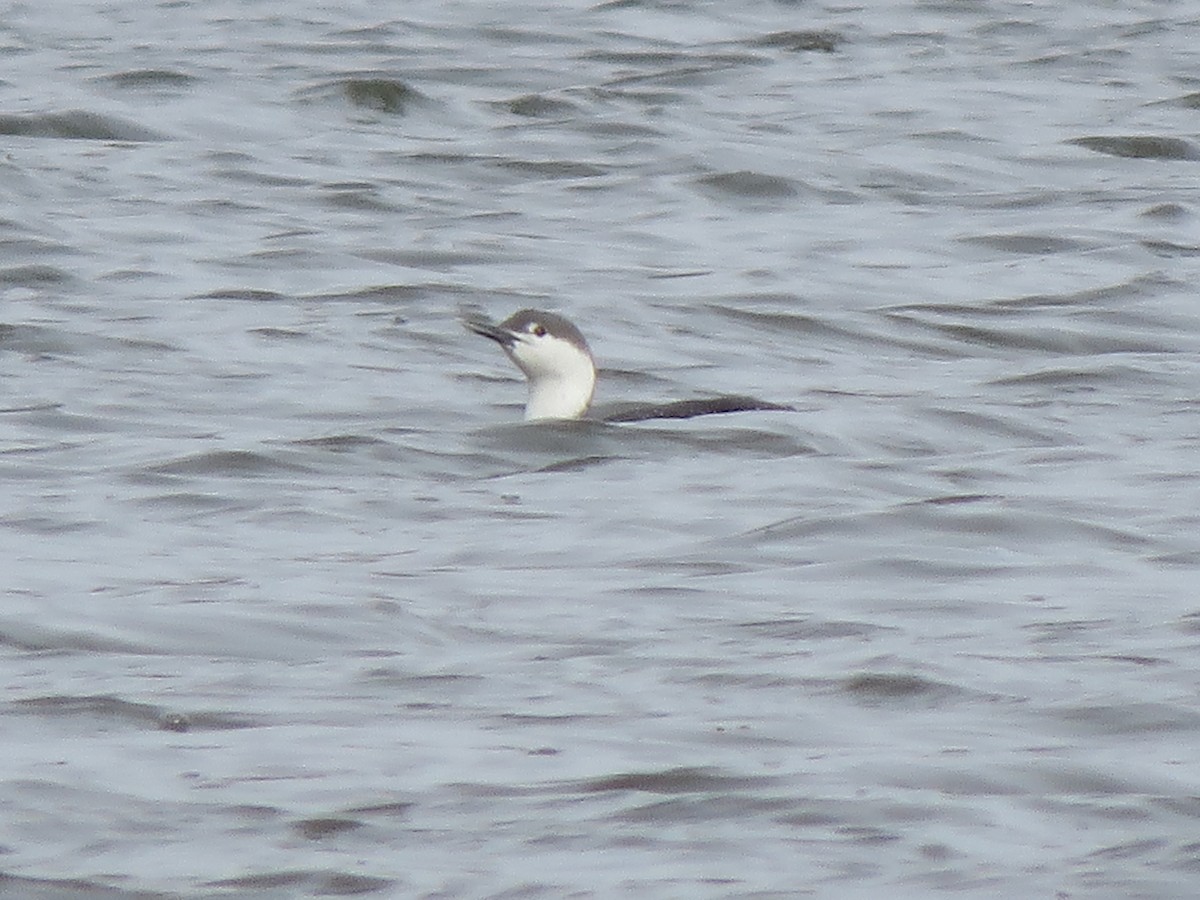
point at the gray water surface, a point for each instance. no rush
(293, 604)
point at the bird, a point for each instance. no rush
(560, 370)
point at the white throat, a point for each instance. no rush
(559, 398)
(562, 379)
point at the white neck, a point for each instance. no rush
(559, 398)
(560, 373)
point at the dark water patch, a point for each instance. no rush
(955, 782)
(21, 888)
(1141, 147)
(420, 685)
(631, 381)
(445, 157)
(341, 443)
(640, 58)
(747, 185)
(252, 294)
(949, 136)
(381, 94)
(308, 883)
(1067, 631)
(504, 721)
(24, 247)
(1127, 850)
(694, 567)
(905, 186)
(392, 809)
(376, 93)
(664, 594)
(551, 168)
(688, 70)
(1182, 558)
(868, 835)
(745, 680)
(190, 503)
(1137, 288)
(318, 829)
(622, 129)
(1127, 718)
(540, 106)
(578, 464)
(751, 443)
(716, 808)
(684, 273)
(248, 812)
(436, 260)
(46, 526)
(565, 439)
(281, 335)
(682, 780)
(651, 99)
(47, 342)
(265, 880)
(1054, 339)
(108, 709)
(379, 37)
(348, 884)
(148, 78)
(281, 256)
(34, 276)
(245, 174)
(24, 636)
(1133, 659)
(1024, 527)
(800, 41)
(1170, 249)
(957, 499)
(59, 421)
(788, 323)
(228, 463)
(535, 35)
(1187, 101)
(880, 688)
(809, 629)
(918, 566)
(1166, 212)
(1028, 244)
(1028, 199)
(76, 125)
(1006, 426)
(389, 293)
(145, 344)
(355, 196)
(1082, 378)
(1100, 803)
(39, 407)
(960, 523)
(786, 300)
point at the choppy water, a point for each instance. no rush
(293, 604)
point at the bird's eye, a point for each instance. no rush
(538, 330)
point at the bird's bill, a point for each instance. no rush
(490, 330)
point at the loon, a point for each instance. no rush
(558, 364)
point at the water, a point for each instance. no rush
(293, 604)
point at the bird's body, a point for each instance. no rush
(557, 362)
